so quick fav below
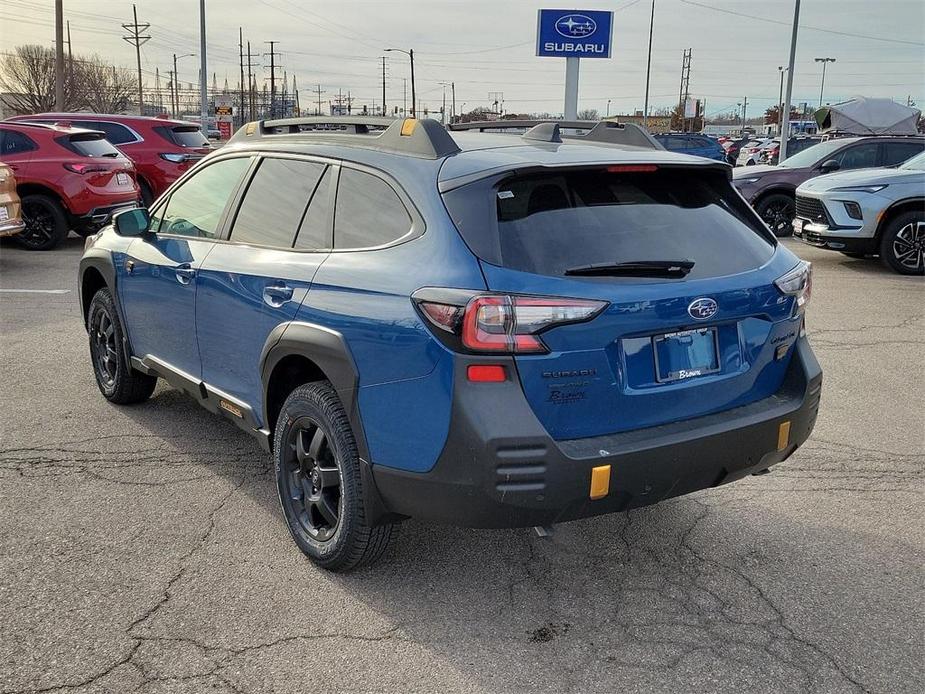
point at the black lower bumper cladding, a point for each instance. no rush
(499, 468)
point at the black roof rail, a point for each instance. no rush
(598, 132)
(417, 138)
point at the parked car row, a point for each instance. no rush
(73, 171)
(847, 211)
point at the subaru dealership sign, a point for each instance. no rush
(574, 33)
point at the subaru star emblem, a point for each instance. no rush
(702, 308)
(575, 25)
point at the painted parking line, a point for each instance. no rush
(34, 291)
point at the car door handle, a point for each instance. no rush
(276, 295)
(185, 273)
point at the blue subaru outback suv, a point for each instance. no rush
(483, 329)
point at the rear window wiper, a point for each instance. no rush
(635, 268)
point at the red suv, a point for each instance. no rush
(68, 178)
(161, 149)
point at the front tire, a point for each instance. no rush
(319, 482)
(902, 248)
(46, 223)
(777, 211)
(116, 379)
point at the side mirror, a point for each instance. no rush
(134, 222)
(829, 166)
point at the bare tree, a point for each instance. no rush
(104, 88)
(28, 75)
(589, 114)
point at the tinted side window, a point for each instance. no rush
(117, 134)
(368, 212)
(195, 208)
(897, 152)
(275, 202)
(860, 156)
(315, 230)
(13, 142)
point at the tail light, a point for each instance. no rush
(499, 323)
(797, 283)
(86, 168)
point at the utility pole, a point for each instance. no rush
(645, 108)
(410, 54)
(70, 61)
(780, 100)
(250, 84)
(383, 85)
(822, 86)
(273, 67)
(137, 38)
(453, 111)
(685, 86)
(744, 111)
(59, 55)
(203, 72)
(241, 64)
(318, 92)
(785, 121)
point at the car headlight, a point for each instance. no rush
(862, 189)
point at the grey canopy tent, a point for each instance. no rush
(864, 116)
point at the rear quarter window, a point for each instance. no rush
(547, 223)
(89, 145)
(183, 135)
(368, 212)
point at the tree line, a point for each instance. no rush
(27, 75)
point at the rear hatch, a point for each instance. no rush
(102, 166)
(691, 320)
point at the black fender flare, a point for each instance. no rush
(101, 261)
(329, 351)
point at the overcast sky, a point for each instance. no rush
(488, 46)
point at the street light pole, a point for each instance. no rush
(608, 109)
(59, 55)
(410, 54)
(822, 86)
(176, 82)
(645, 108)
(785, 121)
(780, 99)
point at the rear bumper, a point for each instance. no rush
(499, 468)
(11, 227)
(100, 216)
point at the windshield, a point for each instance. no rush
(812, 155)
(917, 163)
(548, 223)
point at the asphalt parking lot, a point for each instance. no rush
(142, 549)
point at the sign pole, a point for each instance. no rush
(571, 89)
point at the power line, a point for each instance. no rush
(802, 26)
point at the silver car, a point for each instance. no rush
(868, 212)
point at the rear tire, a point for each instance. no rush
(115, 377)
(777, 211)
(902, 248)
(320, 484)
(46, 223)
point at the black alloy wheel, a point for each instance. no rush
(778, 211)
(103, 334)
(312, 480)
(46, 224)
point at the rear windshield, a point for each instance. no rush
(89, 145)
(550, 222)
(183, 135)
